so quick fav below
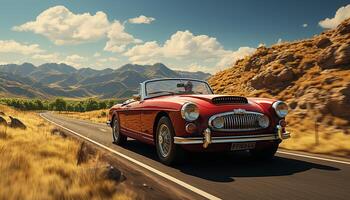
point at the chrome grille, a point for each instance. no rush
(238, 120)
(229, 100)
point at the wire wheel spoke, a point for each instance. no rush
(164, 141)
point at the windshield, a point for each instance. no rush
(176, 86)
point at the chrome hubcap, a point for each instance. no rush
(164, 140)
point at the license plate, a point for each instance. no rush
(242, 146)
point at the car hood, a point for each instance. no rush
(205, 102)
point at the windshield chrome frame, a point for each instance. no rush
(143, 85)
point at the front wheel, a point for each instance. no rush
(266, 153)
(168, 152)
(118, 137)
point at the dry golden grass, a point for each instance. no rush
(98, 116)
(38, 165)
(331, 141)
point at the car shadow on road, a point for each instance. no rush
(224, 167)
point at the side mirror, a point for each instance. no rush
(136, 97)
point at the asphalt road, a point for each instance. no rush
(229, 176)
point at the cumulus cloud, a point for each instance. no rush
(11, 46)
(62, 27)
(341, 14)
(118, 38)
(141, 20)
(304, 25)
(74, 60)
(145, 53)
(279, 41)
(49, 57)
(230, 57)
(108, 59)
(186, 47)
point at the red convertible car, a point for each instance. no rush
(179, 115)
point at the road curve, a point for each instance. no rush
(229, 176)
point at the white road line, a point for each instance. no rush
(162, 174)
(314, 157)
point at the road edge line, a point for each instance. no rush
(313, 157)
(162, 174)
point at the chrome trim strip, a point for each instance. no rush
(226, 139)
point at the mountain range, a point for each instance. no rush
(53, 79)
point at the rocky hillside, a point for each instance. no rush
(312, 75)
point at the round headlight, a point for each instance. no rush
(189, 112)
(218, 122)
(264, 121)
(281, 108)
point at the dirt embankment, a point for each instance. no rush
(312, 76)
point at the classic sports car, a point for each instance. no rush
(178, 115)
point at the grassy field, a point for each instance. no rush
(38, 164)
(331, 141)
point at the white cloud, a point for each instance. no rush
(304, 25)
(50, 57)
(97, 55)
(341, 14)
(109, 59)
(195, 67)
(63, 27)
(231, 57)
(74, 60)
(141, 20)
(185, 47)
(11, 46)
(118, 38)
(146, 53)
(279, 41)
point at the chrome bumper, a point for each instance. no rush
(207, 139)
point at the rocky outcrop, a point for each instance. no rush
(16, 123)
(311, 74)
(3, 122)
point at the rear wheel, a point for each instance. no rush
(118, 137)
(266, 153)
(168, 152)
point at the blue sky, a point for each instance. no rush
(191, 35)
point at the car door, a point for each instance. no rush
(133, 117)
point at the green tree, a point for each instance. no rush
(102, 105)
(91, 104)
(60, 104)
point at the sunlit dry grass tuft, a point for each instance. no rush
(36, 164)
